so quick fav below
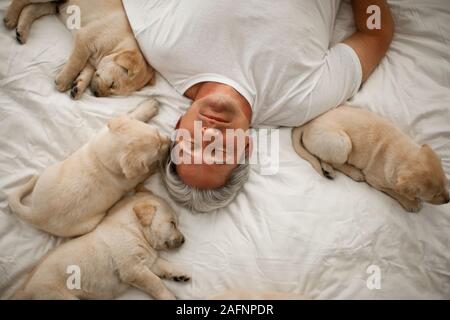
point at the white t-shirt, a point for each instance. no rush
(275, 53)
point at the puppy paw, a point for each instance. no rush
(62, 84)
(328, 171)
(74, 92)
(9, 22)
(146, 110)
(180, 278)
(358, 176)
(21, 36)
(77, 89)
(412, 206)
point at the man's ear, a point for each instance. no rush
(130, 61)
(133, 164)
(145, 213)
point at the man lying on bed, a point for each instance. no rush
(251, 63)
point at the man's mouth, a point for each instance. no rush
(214, 119)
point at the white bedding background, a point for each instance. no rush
(292, 232)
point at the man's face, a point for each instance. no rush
(212, 116)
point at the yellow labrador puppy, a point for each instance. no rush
(105, 55)
(120, 252)
(368, 148)
(70, 198)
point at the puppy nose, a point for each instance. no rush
(182, 240)
(96, 93)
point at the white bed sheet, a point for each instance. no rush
(291, 232)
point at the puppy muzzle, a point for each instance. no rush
(96, 88)
(175, 243)
(442, 200)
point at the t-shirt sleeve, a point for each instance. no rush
(340, 78)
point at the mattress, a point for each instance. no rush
(293, 231)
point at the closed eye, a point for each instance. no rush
(173, 224)
(124, 70)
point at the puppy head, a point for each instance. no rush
(121, 74)
(423, 178)
(140, 146)
(159, 224)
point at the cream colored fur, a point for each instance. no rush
(120, 252)
(106, 55)
(368, 148)
(70, 198)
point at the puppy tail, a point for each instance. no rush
(15, 199)
(297, 136)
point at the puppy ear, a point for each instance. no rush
(405, 186)
(151, 76)
(133, 164)
(130, 60)
(429, 153)
(144, 212)
(117, 124)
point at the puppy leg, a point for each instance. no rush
(163, 269)
(351, 171)
(331, 146)
(76, 63)
(29, 14)
(145, 111)
(81, 83)
(328, 171)
(407, 204)
(12, 14)
(142, 278)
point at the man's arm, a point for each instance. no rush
(371, 45)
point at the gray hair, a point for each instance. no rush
(203, 200)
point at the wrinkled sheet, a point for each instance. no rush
(294, 231)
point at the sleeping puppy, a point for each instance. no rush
(368, 148)
(70, 198)
(120, 252)
(105, 55)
